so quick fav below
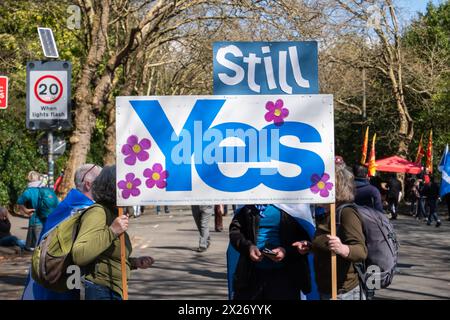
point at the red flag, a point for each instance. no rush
(430, 153)
(420, 151)
(372, 165)
(364, 148)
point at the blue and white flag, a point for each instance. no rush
(444, 168)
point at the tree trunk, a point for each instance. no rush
(80, 143)
(110, 135)
(84, 117)
(109, 157)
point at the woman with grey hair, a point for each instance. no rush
(97, 247)
(349, 244)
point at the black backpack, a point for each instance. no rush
(382, 247)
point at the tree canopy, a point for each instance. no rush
(156, 47)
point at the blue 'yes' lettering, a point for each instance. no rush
(156, 122)
(180, 177)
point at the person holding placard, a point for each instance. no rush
(97, 246)
(349, 244)
(269, 267)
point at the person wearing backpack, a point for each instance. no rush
(96, 248)
(37, 202)
(78, 198)
(366, 246)
(349, 244)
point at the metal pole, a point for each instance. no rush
(51, 164)
(364, 92)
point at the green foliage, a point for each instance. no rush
(19, 43)
(18, 155)
(429, 38)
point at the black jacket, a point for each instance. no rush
(395, 187)
(243, 234)
(5, 227)
(367, 194)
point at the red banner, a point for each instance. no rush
(430, 153)
(420, 151)
(3, 92)
(365, 145)
(372, 165)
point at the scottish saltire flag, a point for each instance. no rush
(444, 168)
(302, 214)
(75, 200)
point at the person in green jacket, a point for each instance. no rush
(349, 244)
(97, 246)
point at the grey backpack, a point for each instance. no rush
(382, 247)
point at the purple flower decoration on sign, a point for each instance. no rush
(320, 184)
(134, 149)
(130, 186)
(156, 176)
(276, 112)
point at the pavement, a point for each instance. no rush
(182, 273)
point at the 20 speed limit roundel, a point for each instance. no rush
(48, 89)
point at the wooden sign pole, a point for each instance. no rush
(333, 255)
(123, 265)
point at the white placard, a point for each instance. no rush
(225, 149)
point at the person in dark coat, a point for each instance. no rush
(432, 194)
(447, 200)
(394, 187)
(366, 194)
(6, 239)
(277, 273)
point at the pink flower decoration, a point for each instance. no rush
(157, 176)
(130, 186)
(134, 149)
(320, 184)
(276, 112)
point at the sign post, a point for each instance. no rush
(333, 255)
(3, 92)
(123, 267)
(48, 95)
(51, 163)
(48, 101)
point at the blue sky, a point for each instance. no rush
(411, 7)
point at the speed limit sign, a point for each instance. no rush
(48, 89)
(48, 95)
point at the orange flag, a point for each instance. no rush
(430, 153)
(420, 151)
(364, 148)
(372, 165)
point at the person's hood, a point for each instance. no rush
(35, 184)
(361, 182)
(302, 214)
(76, 198)
(302, 211)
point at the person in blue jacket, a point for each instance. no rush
(76, 199)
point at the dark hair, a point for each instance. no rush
(104, 187)
(360, 171)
